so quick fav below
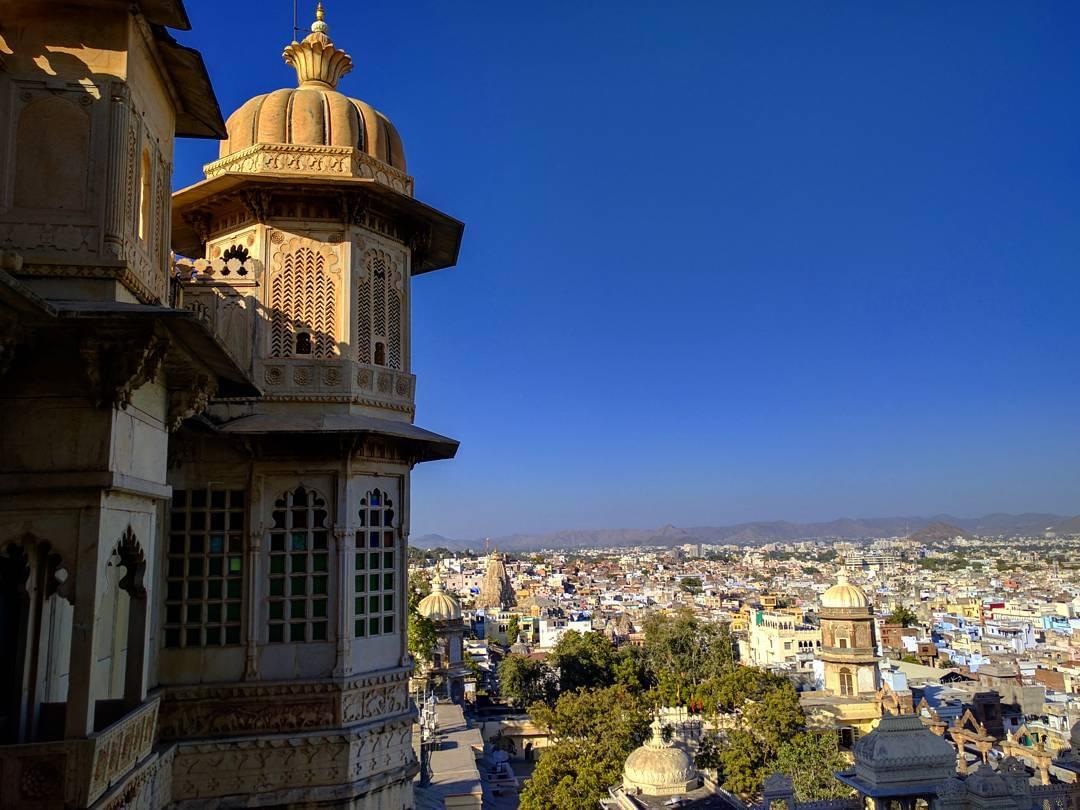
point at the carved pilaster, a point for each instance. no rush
(118, 169)
(190, 401)
(253, 590)
(345, 548)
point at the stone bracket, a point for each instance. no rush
(117, 366)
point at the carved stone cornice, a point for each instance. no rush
(124, 275)
(354, 206)
(257, 202)
(118, 366)
(199, 221)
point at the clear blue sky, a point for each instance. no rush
(725, 261)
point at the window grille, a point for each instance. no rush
(205, 565)
(376, 566)
(299, 568)
(303, 299)
(379, 314)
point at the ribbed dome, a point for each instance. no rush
(439, 606)
(314, 116)
(844, 595)
(312, 129)
(659, 769)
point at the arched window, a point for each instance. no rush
(299, 568)
(846, 683)
(379, 313)
(146, 196)
(376, 565)
(303, 301)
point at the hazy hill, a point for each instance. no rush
(757, 533)
(938, 532)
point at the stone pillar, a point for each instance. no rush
(402, 540)
(118, 170)
(345, 549)
(137, 643)
(79, 717)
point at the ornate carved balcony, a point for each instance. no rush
(77, 772)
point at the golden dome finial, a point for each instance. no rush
(320, 26)
(316, 60)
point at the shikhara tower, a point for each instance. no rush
(283, 626)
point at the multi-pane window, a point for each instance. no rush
(376, 565)
(299, 568)
(205, 565)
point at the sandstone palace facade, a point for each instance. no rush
(206, 425)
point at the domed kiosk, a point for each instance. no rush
(661, 774)
(900, 762)
(447, 668)
(658, 768)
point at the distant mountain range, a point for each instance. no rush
(750, 534)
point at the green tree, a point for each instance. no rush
(776, 717)
(708, 751)
(613, 715)
(422, 637)
(682, 650)
(524, 681)
(742, 766)
(593, 731)
(630, 669)
(583, 660)
(513, 628)
(903, 616)
(690, 585)
(571, 776)
(811, 759)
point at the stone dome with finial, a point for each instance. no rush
(843, 595)
(439, 606)
(312, 129)
(658, 768)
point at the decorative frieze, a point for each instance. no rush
(307, 160)
(260, 765)
(281, 707)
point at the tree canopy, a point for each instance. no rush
(594, 730)
(903, 616)
(524, 681)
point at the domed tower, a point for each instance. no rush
(447, 661)
(848, 641)
(285, 611)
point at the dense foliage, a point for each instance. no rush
(524, 681)
(593, 731)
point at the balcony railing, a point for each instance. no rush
(77, 772)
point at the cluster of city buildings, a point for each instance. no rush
(976, 644)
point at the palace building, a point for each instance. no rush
(208, 425)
